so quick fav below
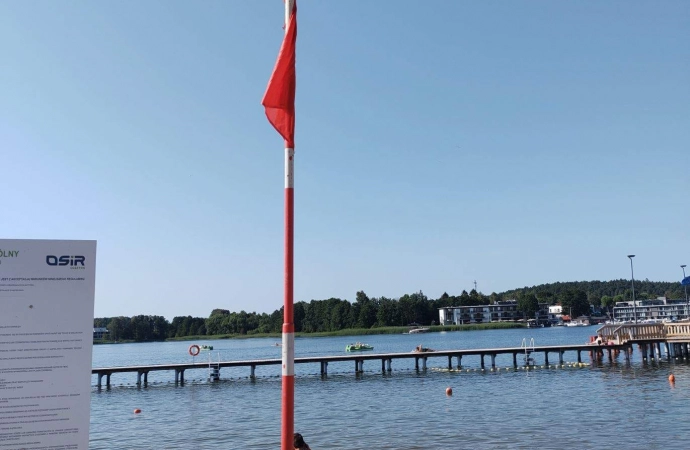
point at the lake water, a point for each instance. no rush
(610, 405)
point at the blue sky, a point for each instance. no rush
(438, 143)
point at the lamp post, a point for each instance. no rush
(687, 306)
(632, 275)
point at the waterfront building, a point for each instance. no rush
(502, 311)
(658, 309)
(100, 332)
(556, 313)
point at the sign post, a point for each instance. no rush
(46, 337)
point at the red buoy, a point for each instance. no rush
(449, 391)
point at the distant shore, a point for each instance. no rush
(345, 332)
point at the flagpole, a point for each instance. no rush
(288, 404)
(288, 356)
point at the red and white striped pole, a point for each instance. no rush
(288, 397)
(288, 408)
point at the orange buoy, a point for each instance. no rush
(137, 411)
(671, 378)
(449, 391)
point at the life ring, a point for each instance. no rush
(194, 349)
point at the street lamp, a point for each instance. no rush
(632, 275)
(687, 309)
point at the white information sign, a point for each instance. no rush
(46, 337)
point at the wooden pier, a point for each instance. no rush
(522, 356)
(675, 337)
(610, 339)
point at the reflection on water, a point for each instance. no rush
(609, 405)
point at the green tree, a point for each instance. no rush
(117, 328)
(465, 299)
(607, 302)
(366, 311)
(528, 304)
(299, 312)
(574, 303)
(215, 325)
(388, 313)
(444, 301)
(475, 298)
(159, 328)
(546, 297)
(422, 308)
(101, 323)
(142, 327)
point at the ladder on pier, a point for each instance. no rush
(213, 369)
(529, 349)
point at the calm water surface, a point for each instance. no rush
(602, 406)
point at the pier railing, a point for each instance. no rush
(678, 331)
(622, 333)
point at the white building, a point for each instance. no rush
(100, 332)
(502, 311)
(658, 309)
(556, 309)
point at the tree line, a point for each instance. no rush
(335, 314)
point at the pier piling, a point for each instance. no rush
(145, 373)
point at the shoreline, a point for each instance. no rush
(345, 332)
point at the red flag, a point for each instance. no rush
(279, 99)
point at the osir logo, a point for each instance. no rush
(74, 262)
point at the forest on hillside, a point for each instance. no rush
(335, 314)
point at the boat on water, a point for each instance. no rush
(206, 347)
(358, 347)
(532, 323)
(418, 330)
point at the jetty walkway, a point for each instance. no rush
(611, 339)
